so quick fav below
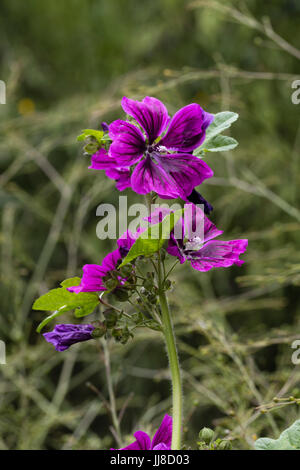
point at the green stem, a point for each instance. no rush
(174, 365)
(171, 350)
(111, 394)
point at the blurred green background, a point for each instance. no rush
(66, 65)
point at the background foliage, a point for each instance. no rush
(66, 66)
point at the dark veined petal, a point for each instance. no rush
(218, 254)
(126, 241)
(128, 143)
(186, 171)
(102, 161)
(163, 435)
(175, 248)
(148, 176)
(122, 176)
(194, 218)
(187, 128)
(151, 114)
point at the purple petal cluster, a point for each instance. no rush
(155, 152)
(93, 279)
(64, 335)
(200, 248)
(161, 440)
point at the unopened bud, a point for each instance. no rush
(99, 331)
(206, 435)
(111, 317)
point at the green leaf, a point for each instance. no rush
(90, 133)
(288, 440)
(86, 309)
(219, 143)
(61, 300)
(221, 122)
(72, 281)
(153, 238)
(215, 142)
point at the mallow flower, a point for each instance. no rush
(154, 153)
(64, 335)
(161, 441)
(193, 240)
(93, 279)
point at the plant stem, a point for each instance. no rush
(111, 394)
(169, 335)
(174, 364)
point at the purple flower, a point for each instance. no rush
(94, 274)
(63, 336)
(102, 161)
(161, 440)
(199, 248)
(192, 240)
(162, 159)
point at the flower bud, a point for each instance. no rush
(206, 435)
(225, 445)
(111, 317)
(126, 270)
(111, 284)
(99, 331)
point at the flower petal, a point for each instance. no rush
(125, 242)
(64, 335)
(151, 114)
(122, 176)
(148, 176)
(187, 128)
(215, 254)
(186, 171)
(196, 224)
(164, 433)
(128, 143)
(161, 447)
(92, 279)
(102, 161)
(143, 440)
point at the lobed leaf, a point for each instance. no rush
(61, 300)
(288, 440)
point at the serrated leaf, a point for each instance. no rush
(90, 133)
(288, 440)
(153, 238)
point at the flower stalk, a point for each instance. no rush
(169, 335)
